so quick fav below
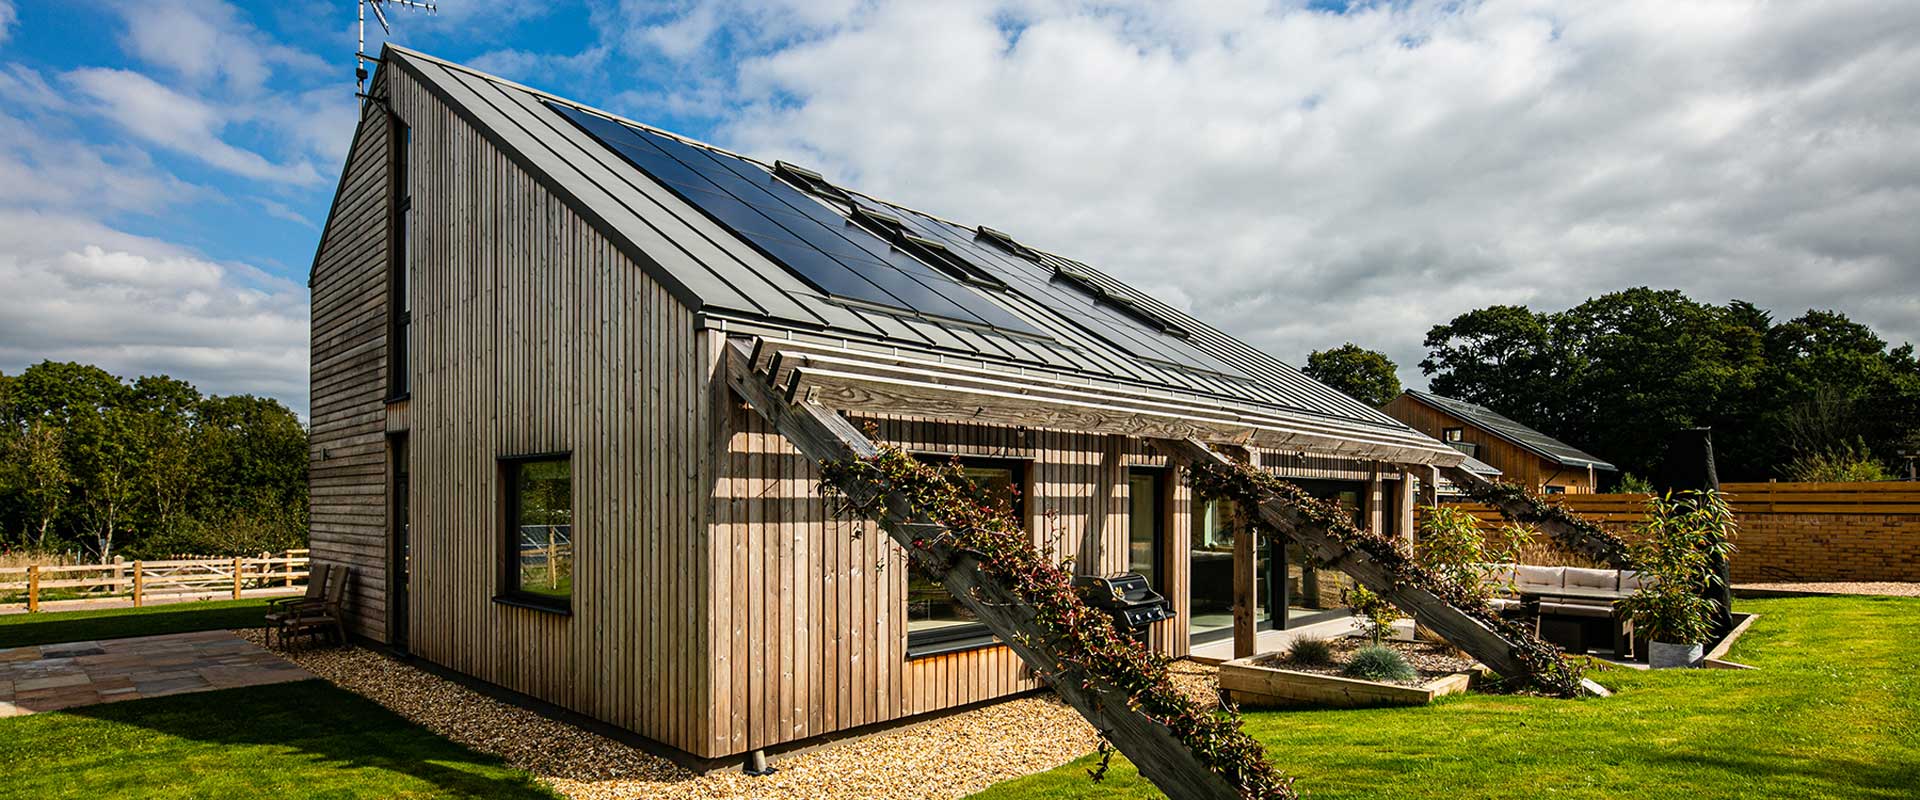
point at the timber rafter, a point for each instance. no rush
(1130, 700)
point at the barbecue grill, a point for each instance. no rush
(1126, 598)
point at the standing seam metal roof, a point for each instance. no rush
(718, 274)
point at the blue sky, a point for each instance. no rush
(1300, 173)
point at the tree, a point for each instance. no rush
(1365, 375)
(1617, 374)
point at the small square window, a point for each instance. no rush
(539, 526)
(1453, 434)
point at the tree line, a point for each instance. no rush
(146, 468)
(1817, 397)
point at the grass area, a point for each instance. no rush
(17, 630)
(295, 740)
(1834, 712)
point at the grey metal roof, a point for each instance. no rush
(1520, 435)
(736, 287)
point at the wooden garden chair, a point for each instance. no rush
(329, 614)
(280, 609)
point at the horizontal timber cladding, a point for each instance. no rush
(1516, 464)
(347, 450)
(809, 609)
(531, 333)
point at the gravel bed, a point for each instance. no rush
(1890, 588)
(947, 757)
(1430, 660)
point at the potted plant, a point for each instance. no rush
(1681, 540)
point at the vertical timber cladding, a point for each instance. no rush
(347, 461)
(809, 610)
(531, 334)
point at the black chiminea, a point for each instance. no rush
(1128, 599)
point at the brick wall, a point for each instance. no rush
(1787, 545)
(1828, 547)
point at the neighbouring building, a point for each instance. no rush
(1520, 454)
(525, 445)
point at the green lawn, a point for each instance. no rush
(1833, 713)
(295, 740)
(48, 627)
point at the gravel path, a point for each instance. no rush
(1891, 588)
(949, 757)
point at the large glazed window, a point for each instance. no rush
(539, 524)
(1145, 523)
(399, 288)
(936, 623)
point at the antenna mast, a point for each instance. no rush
(360, 51)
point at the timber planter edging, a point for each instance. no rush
(1248, 683)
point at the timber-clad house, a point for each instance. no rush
(525, 316)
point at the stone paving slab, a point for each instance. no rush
(50, 677)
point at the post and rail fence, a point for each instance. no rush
(147, 581)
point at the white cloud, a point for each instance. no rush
(207, 43)
(7, 18)
(136, 306)
(179, 122)
(1304, 178)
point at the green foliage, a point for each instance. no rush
(1365, 375)
(1373, 616)
(1378, 663)
(1829, 715)
(1684, 536)
(1630, 483)
(151, 466)
(1846, 463)
(1451, 545)
(1619, 373)
(1310, 651)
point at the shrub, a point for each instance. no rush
(1632, 484)
(1373, 616)
(1684, 535)
(1310, 651)
(1379, 663)
(1843, 463)
(1452, 546)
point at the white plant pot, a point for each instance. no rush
(1666, 655)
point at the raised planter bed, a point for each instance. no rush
(1267, 680)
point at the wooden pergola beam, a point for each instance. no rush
(1491, 647)
(1565, 527)
(824, 436)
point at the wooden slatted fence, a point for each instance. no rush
(143, 581)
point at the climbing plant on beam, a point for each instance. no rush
(1463, 618)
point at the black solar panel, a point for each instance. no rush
(824, 249)
(1039, 283)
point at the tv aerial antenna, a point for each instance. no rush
(360, 51)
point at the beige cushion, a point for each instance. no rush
(1592, 579)
(1630, 581)
(1534, 577)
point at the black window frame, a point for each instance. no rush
(973, 635)
(399, 285)
(509, 592)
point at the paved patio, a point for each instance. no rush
(50, 677)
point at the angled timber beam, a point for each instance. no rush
(1501, 651)
(1567, 528)
(824, 436)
